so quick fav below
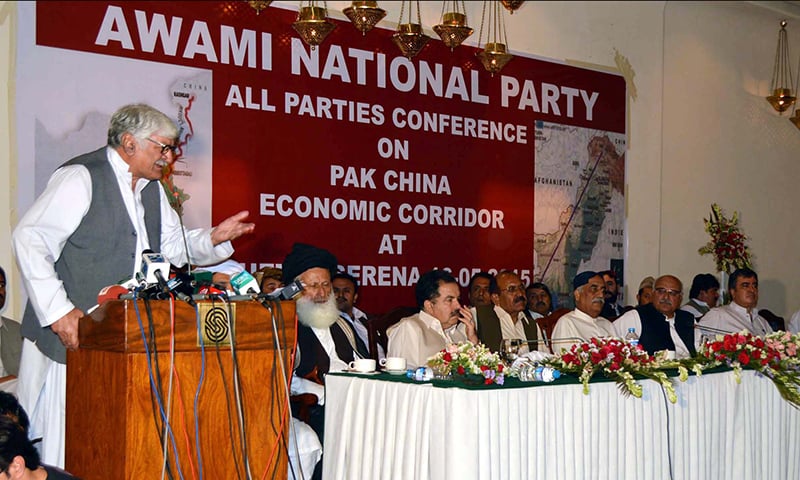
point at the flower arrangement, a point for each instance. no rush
(775, 356)
(728, 243)
(467, 359)
(616, 359)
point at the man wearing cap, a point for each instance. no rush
(441, 321)
(506, 317)
(703, 295)
(585, 321)
(325, 341)
(645, 293)
(660, 325)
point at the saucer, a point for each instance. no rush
(357, 372)
(395, 372)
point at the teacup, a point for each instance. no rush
(393, 363)
(362, 365)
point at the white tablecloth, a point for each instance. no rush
(718, 429)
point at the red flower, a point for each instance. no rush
(488, 381)
(484, 368)
(729, 342)
(447, 357)
(499, 368)
(716, 346)
(614, 366)
(743, 358)
(461, 370)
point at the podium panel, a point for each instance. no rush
(114, 423)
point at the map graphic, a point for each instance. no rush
(190, 108)
(579, 215)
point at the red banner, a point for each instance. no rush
(395, 166)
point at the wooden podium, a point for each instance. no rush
(114, 424)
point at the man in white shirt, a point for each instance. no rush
(585, 322)
(506, 318)
(441, 321)
(88, 230)
(741, 313)
(703, 295)
(660, 325)
(345, 290)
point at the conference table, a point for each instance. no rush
(385, 427)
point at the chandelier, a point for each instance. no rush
(453, 29)
(494, 55)
(259, 5)
(364, 15)
(512, 5)
(312, 23)
(409, 37)
(781, 86)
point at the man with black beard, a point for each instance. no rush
(325, 341)
(506, 318)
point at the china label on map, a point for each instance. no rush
(579, 204)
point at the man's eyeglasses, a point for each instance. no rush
(164, 147)
(512, 289)
(668, 291)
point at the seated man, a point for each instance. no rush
(478, 289)
(660, 325)
(506, 317)
(645, 293)
(611, 309)
(441, 321)
(345, 290)
(10, 344)
(540, 301)
(703, 295)
(325, 341)
(742, 312)
(585, 321)
(269, 279)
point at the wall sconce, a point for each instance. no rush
(512, 5)
(453, 29)
(259, 5)
(409, 37)
(312, 24)
(364, 15)
(494, 55)
(781, 86)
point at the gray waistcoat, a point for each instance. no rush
(100, 252)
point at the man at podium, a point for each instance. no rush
(87, 230)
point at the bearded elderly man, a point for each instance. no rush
(506, 318)
(742, 312)
(585, 321)
(660, 325)
(441, 321)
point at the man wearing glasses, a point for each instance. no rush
(88, 230)
(660, 325)
(505, 318)
(585, 322)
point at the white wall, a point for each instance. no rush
(700, 129)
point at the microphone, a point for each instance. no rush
(287, 292)
(711, 329)
(244, 284)
(155, 268)
(111, 292)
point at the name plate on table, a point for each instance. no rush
(216, 321)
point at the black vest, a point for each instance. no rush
(101, 251)
(491, 334)
(313, 354)
(655, 334)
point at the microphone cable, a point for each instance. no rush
(200, 382)
(237, 389)
(154, 389)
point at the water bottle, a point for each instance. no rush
(632, 338)
(533, 372)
